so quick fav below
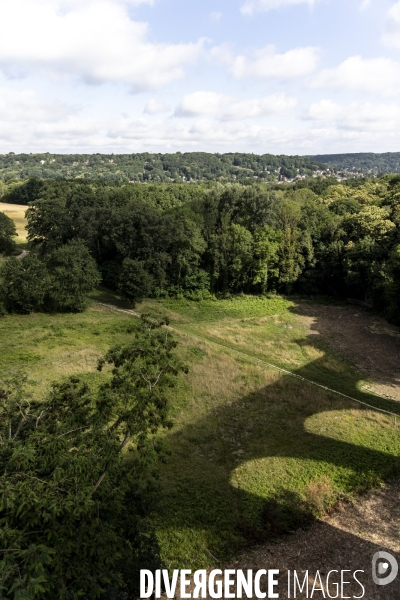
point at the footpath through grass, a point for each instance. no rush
(254, 452)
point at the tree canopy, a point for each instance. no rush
(76, 485)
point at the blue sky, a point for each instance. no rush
(279, 76)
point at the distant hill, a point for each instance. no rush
(367, 162)
(194, 166)
(146, 167)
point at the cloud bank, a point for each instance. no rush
(94, 41)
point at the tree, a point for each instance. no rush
(75, 477)
(267, 242)
(7, 233)
(25, 192)
(135, 283)
(232, 250)
(23, 284)
(73, 274)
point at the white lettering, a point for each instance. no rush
(317, 579)
(170, 589)
(272, 582)
(334, 584)
(344, 582)
(200, 579)
(184, 583)
(305, 583)
(359, 583)
(257, 578)
(145, 574)
(246, 585)
(228, 583)
(215, 587)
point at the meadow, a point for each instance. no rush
(253, 453)
(16, 212)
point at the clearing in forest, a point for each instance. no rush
(16, 212)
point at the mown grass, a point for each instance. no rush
(16, 212)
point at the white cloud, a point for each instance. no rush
(93, 40)
(201, 103)
(227, 108)
(356, 115)
(252, 6)
(27, 106)
(276, 104)
(153, 107)
(266, 63)
(391, 34)
(84, 134)
(375, 75)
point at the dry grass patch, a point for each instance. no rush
(16, 212)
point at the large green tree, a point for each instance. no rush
(75, 476)
(24, 284)
(73, 274)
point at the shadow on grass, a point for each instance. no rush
(269, 463)
(366, 340)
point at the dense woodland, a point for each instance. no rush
(315, 237)
(387, 162)
(191, 166)
(146, 167)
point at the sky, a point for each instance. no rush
(262, 76)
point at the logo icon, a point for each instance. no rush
(384, 568)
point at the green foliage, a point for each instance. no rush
(135, 283)
(315, 237)
(73, 274)
(60, 283)
(25, 192)
(23, 284)
(74, 504)
(7, 233)
(387, 162)
(146, 167)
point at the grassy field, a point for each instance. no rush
(17, 213)
(50, 347)
(254, 452)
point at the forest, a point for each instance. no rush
(316, 237)
(365, 162)
(234, 167)
(147, 167)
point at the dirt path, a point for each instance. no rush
(370, 343)
(346, 540)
